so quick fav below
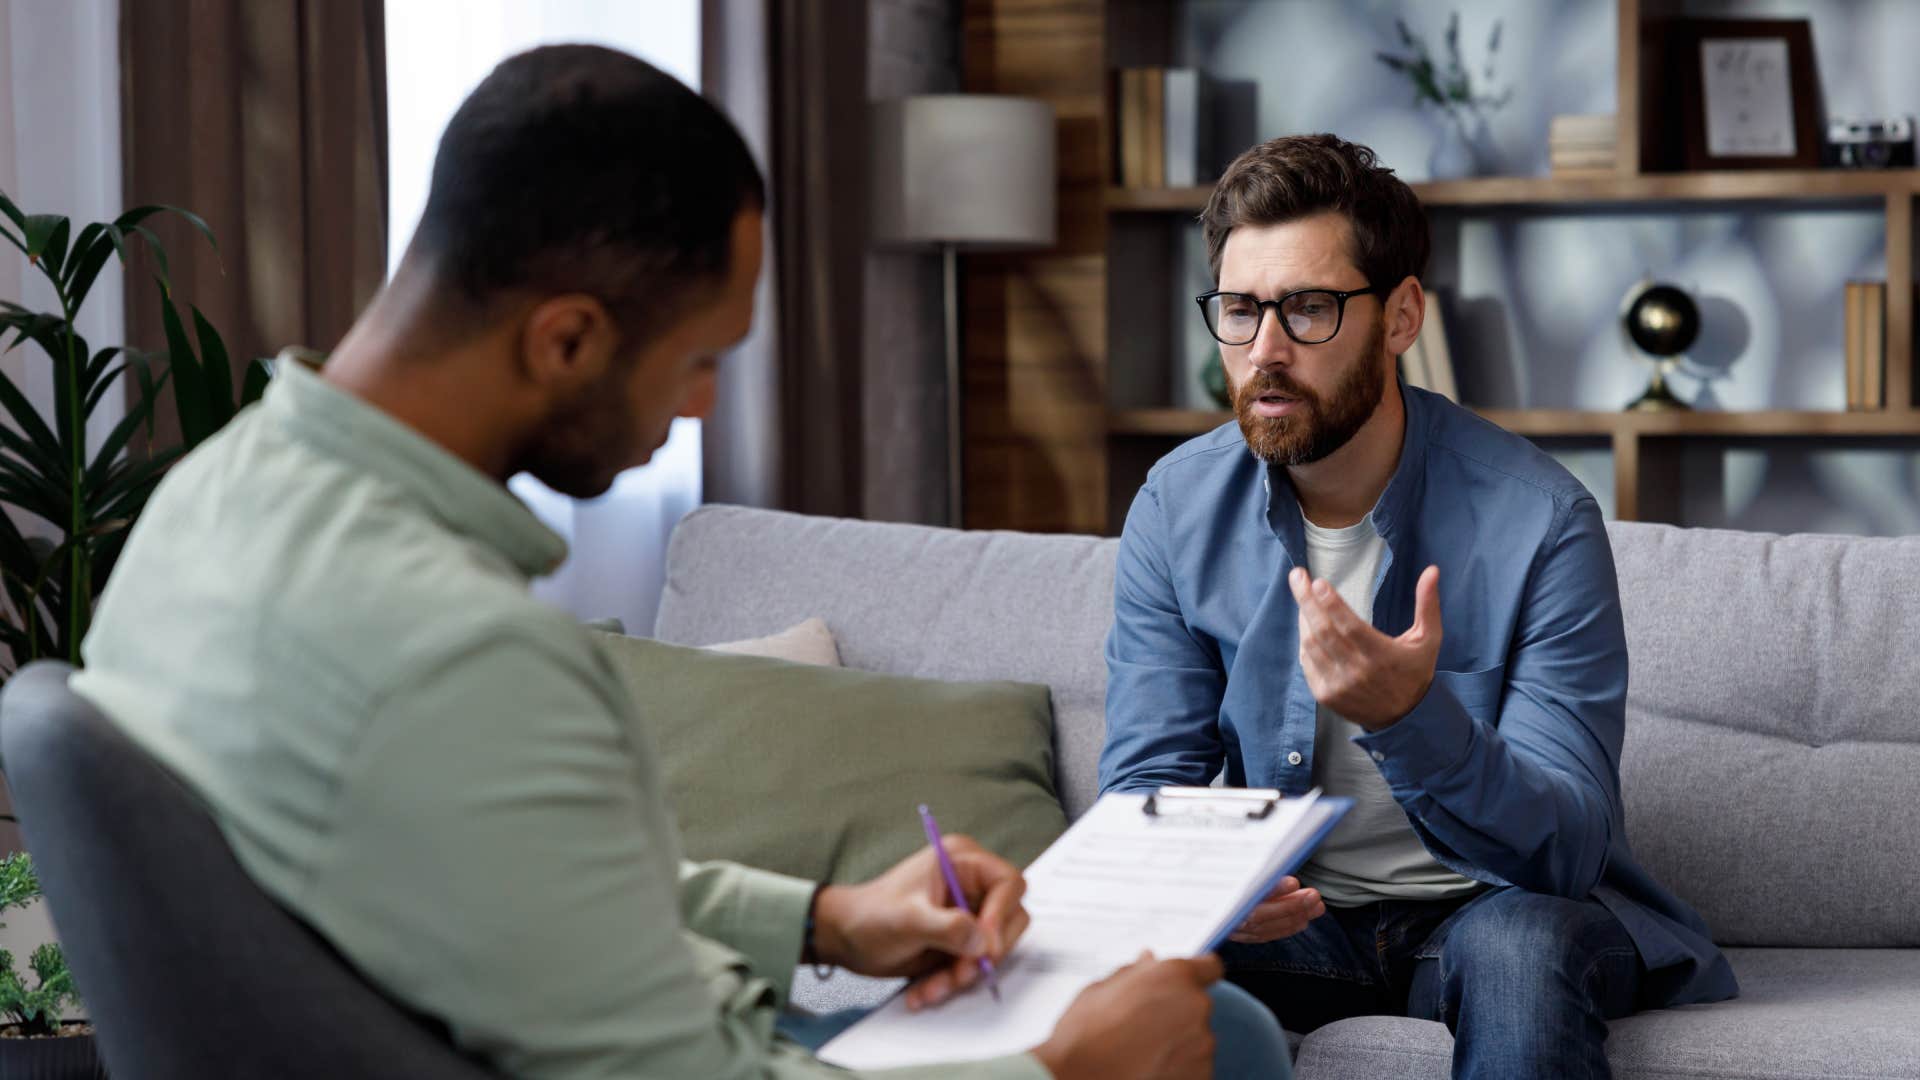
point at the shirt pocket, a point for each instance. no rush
(1479, 692)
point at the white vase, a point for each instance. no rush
(1462, 149)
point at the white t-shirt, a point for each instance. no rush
(1374, 853)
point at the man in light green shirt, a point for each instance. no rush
(321, 624)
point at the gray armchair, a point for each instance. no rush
(189, 970)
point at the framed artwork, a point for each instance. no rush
(1748, 97)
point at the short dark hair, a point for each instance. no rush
(575, 168)
(1295, 176)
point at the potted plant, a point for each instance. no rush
(90, 497)
(36, 1042)
(1464, 147)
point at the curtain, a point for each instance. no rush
(268, 119)
(787, 429)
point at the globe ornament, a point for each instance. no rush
(1662, 321)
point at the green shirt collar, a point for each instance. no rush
(456, 494)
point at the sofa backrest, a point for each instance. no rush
(911, 600)
(1772, 762)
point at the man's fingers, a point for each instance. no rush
(1286, 886)
(997, 889)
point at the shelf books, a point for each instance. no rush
(1583, 145)
(1426, 363)
(1162, 127)
(1866, 346)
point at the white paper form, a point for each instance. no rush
(1119, 881)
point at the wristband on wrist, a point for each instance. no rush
(808, 953)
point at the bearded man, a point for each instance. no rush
(1277, 617)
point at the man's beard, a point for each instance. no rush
(1318, 427)
(582, 448)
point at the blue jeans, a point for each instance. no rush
(1526, 982)
(1247, 1042)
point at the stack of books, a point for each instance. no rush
(1583, 145)
(1162, 138)
(1866, 346)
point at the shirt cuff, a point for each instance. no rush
(759, 914)
(1431, 740)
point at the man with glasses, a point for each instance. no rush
(1278, 616)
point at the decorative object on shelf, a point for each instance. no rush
(1427, 363)
(1747, 93)
(1587, 145)
(972, 172)
(1463, 146)
(1213, 379)
(1866, 346)
(1662, 321)
(1870, 144)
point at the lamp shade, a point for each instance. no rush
(972, 170)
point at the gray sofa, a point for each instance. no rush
(1771, 770)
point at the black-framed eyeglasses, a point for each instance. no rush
(1309, 316)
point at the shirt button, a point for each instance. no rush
(1378, 756)
(1293, 758)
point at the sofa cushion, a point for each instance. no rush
(910, 600)
(1772, 757)
(815, 771)
(809, 642)
(1803, 1014)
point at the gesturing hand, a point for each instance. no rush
(903, 923)
(1354, 669)
(1285, 912)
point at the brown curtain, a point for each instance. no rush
(787, 429)
(267, 118)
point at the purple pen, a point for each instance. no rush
(954, 890)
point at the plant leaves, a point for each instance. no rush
(216, 372)
(259, 374)
(42, 233)
(159, 252)
(11, 211)
(189, 380)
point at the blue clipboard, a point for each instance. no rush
(1338, 808)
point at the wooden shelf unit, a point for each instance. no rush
(1049, 334)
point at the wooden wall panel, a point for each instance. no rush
(1035, 364)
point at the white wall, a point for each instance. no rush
(437, 51)
(59, 153)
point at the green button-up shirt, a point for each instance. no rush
(321, 623)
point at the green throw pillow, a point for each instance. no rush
(817, 771)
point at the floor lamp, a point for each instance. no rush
(962, 173)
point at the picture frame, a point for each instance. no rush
(1748, 96)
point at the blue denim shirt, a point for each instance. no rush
(1509, 768)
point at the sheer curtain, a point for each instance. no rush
(437, 50)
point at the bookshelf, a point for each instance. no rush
(1068, 350)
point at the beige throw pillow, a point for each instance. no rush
(808, 643)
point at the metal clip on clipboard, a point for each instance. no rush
(1231, 804)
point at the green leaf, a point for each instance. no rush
(27, 418)
(42, 233)
(189, 380)
(101, 389)
(115, 442)
(140, 213)
(11, 211)
(13, 238)
(216, 371)
(259, 374)
(96, 245)
(159, 251)
(98, 365)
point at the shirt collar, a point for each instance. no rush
(1391, 511)
(460, 497)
